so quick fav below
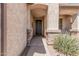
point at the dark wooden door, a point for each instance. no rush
(38, 27)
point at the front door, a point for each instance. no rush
(38, 27)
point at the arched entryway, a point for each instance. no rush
(38, 22)
(38, 12)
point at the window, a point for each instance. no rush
(60, 23)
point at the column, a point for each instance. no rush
(29, 18)
(52, 22)
(29, 27)
(75, 24)
(45, 25)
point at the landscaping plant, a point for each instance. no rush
(66, 44)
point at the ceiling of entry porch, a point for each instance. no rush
(38, 10)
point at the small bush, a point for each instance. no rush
(66, 45)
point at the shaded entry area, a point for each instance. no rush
(37, 47)
(38, 27)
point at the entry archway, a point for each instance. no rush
(39, 12)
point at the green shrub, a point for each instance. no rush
(66, 45)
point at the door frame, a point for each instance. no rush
(34, 26)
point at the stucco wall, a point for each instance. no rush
(68, 10)
(16, 28)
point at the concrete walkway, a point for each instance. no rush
(38, 47)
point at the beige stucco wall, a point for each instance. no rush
(67, 10)
(16, 28)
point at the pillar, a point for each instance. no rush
(75, 25)
(29, 18)
(45, 25)
(29, 27)
(52, 22)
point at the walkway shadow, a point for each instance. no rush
(36, 47)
